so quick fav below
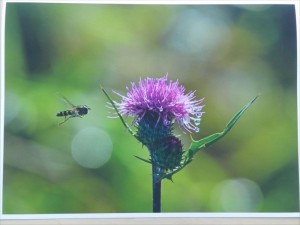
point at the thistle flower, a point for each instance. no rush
(166, 100)
(156, 105)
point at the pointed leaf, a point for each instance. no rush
(117, 111)
(197, 145)
(144, 160)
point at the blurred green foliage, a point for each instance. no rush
(227, 53)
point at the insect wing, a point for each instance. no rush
(67, 101)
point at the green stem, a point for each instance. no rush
(156, 188)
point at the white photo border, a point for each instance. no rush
(3, 216)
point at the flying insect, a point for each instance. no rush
(75, 111)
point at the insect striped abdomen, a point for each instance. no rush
(65, 113)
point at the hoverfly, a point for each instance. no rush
(76, 111)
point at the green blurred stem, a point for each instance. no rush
(156, 188)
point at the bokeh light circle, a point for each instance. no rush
(91, 147)
(237, 195)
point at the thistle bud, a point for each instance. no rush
(167, 154)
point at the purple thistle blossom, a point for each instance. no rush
(166, 99)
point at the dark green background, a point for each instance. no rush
(227, 53)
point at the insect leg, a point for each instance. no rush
(66, 118)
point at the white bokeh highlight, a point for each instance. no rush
(237, 195)
(91, 147)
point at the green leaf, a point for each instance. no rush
(144, 160)
(114, 105)
(197, 145)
